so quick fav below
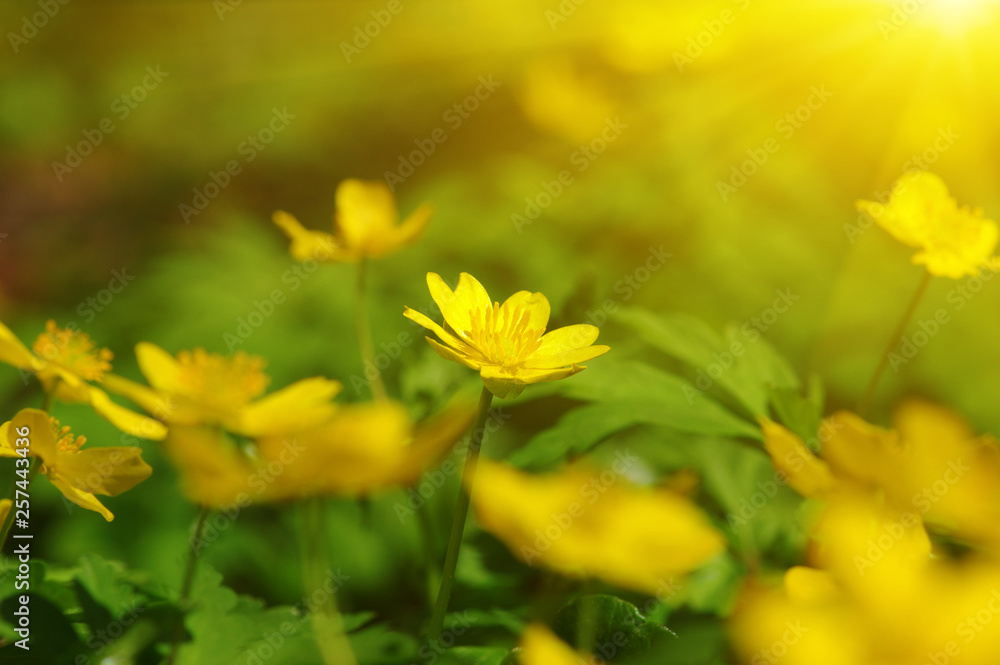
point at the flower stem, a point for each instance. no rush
(458, 526)
(188, 582)
(364, 331)
(894, 339)
(327, 623)
(33, 467)
(427, 540)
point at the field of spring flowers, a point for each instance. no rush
(544, 332)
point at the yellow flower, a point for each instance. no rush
(930, 465)
(506, 343)
(69, 360)
(367, 226)
(5, 505)
(953, 241)
(584, 525)
(78, 474)
(198, 387)
(363, 449)
(539, 646)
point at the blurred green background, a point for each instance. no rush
(692, 91)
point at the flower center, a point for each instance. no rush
(226, 383)
(503, 334)
(74, 351)
(65, 441)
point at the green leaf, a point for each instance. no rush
(104, 582)
(619, 629)
(52, 638)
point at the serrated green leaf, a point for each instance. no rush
(619, 629)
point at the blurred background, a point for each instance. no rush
(562, 142)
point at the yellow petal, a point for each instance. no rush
(307, 244)
(534, 307)
(861, 451)
(468, 296)
(432, 440)
(455, 356)
(14, 353)
(42, 440)
(442, 334)
(302, 405)
(567, 338)
(109, 471)
(5, 505)
(125, 419)
(807, 474)
(213, 473)
(366, 211)
(151, 401)
(408, 232)
(570, 357)
(539, 646)
(809, 586)
(81, 498)
(159, 367)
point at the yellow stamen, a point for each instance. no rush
(65, 441)
(224, 382)
(74, 351)
(503, 334)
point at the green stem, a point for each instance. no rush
(364, 331)
(894, 339)
(33, 467)
(427, 539)
(327, 623)
(458, 526)
(188, 581)
(586, 618)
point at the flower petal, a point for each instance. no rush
(159, 367)
(366, 212)
(125, 419)
(109, 471)
(535, 308)
(148, 399)
(14, 352)
(42, 440)
(427, 322)
(302, 405)
(408, 232)
(81, 498)
(468, 296)
(308, 244)
(449, 354)
(807, 474)
(213, 472)
(571, 357)
(505, 383)
(567, 338)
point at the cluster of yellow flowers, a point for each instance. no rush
(892, 509)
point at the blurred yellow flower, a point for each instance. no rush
(5, 505)
(198, 387)
(954, 242)
(67, 360)
(506, 343)
(875, 597)
(930, 465)
(366, 226)
(78, 474)
(586, 525)
(364, 448)
(539, 646)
